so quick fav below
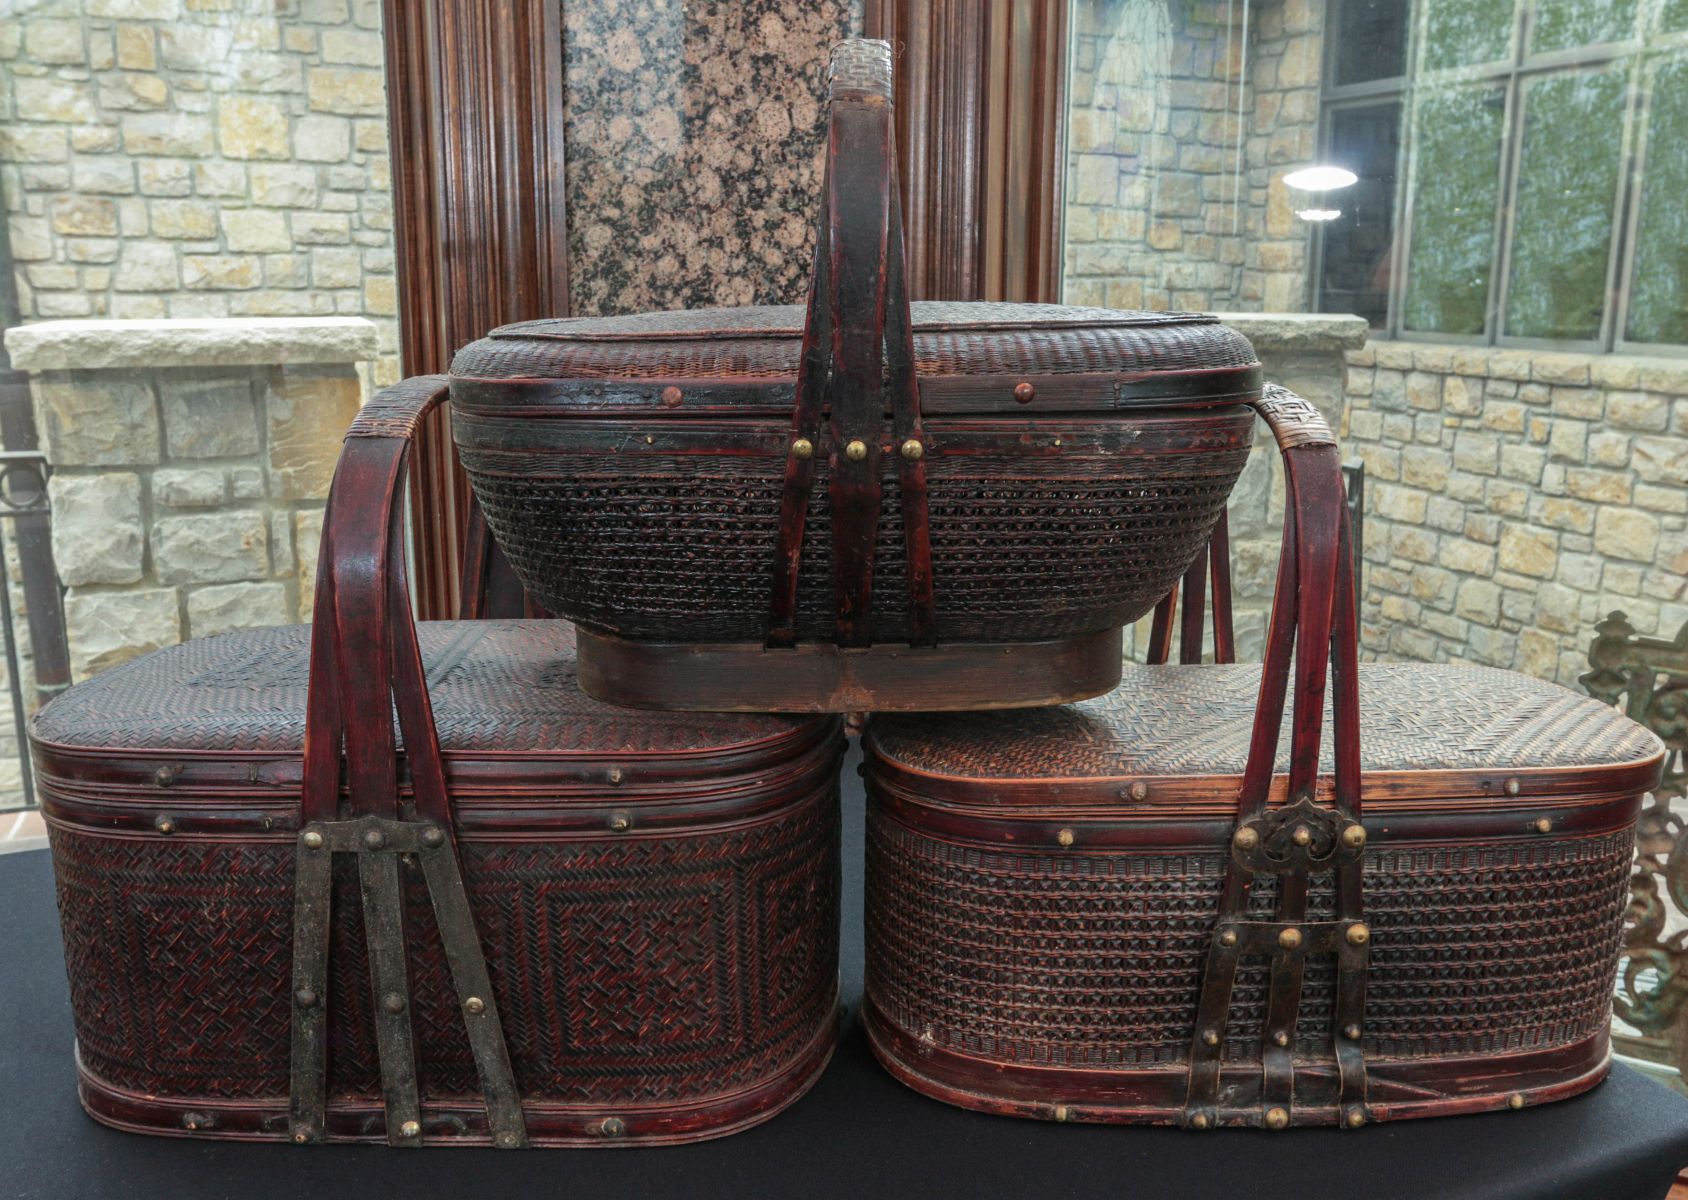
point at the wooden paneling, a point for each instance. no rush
(475, 104)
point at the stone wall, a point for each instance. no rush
(198, 158)
(1183, 123)
(1516, 497)
(190, 460)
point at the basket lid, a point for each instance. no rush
(1429, 733)
(970, 357)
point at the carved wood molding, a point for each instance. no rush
(981, 117)
(475, 108)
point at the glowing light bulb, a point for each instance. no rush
(1321, 179)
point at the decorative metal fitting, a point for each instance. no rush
(1139, 791)
(1512, 786)
(615, 776)
(1516, 1100)
(802, 448)
(671, 397)
(474, 1005)
(1198, 1121)
(1277, 1118)
(301, 1135)
(1543, 825)
(612, 1127)
(620, 822)
(433, 837)
(306, 997)
(1023, 392)
(855, 449)
(1210, 1037)
(1246, 839)
(374, 839)
(393, 1003)
(194, 1120)
(410, 1129)
(1228, 938)
(1354, 836)
(1301, 835)
(509, 1140)
(1062, 1112)
(1351, 1032)
(1356, 1117)
(912, 450)
(164, 824)
(1358, 934)
(167, 774)
(312, 840)
(1065, 837)
(1290, 939)
(1280, 1038)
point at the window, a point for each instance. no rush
(1518, 184)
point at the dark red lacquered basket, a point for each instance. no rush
(867, 505)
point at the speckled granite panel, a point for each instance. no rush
(694, 148)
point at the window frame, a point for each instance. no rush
(1512, 74)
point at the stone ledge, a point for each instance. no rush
(1279, 331)
(212, 342)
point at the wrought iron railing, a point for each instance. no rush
(1648, 677)
(24, 508)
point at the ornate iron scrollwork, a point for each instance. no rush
(1648, 678)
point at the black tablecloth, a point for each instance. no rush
(857, 1134)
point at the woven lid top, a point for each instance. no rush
(761, 345)
(496, 686)
(1181, 722)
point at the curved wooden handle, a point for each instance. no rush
(857, 361)
(364, 657)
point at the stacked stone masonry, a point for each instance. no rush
(198, 158)
(1515, 499)
(187, 494)
(1184, 119)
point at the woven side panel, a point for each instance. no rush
(627, 970)
(1094, 960)
(683, 549)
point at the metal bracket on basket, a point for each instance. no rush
(378, 843)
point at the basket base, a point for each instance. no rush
(820, 677)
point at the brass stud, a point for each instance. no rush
(305, 997)
(410, 1129)
(1543, 825)
(167, 774)
(1351, 1032)
(855, 449)
(1062, 1112)
(1210, 1037)
(1358, 934)
(1139, 791)
(1290, 939)
(613, 1127)
(474, 1005)
(615, 776)
(1512, 786)
(1023, 392)
(164, 825)
(1354, 836)
(1356, 1117)
(1301, 835)
(375, 839)
(912, 450)
(1277, 1118)
(433, 837)
(1228, 938)
(620, 822)
(802, 448)
(671, 397)
(393, 1003)
(1246, 839)
(1198, 1121)
(193, 1120)
(1280, 1038)
(509, 1141)
(1065, 837)
(1516, 1100)
(301, 1135)
(312, 840)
